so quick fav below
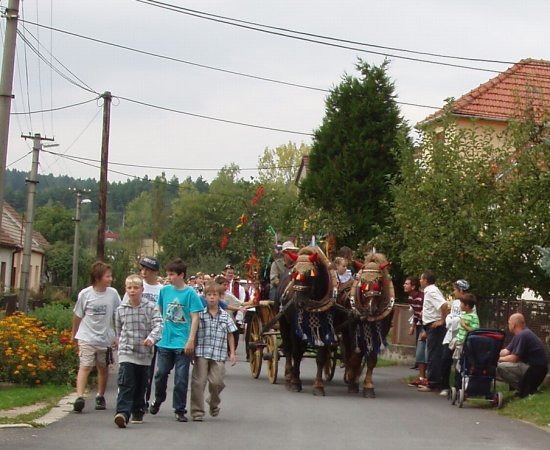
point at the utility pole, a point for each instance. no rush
(76, 243)
(29, 218)
(6, 86)
(103, 180)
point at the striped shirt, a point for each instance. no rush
(212, 335)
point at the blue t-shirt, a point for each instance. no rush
(176, 307)
(529, 348)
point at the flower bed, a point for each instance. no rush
(34, 354)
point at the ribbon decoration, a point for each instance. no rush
(259, 193)
(225, 238)
(242, 221)
(253, 265)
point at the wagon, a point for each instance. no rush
(263, 345)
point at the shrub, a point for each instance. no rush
(54, 316)
(35, 354)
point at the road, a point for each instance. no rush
(258, 415)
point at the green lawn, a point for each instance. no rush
(13, 396)
(534, 408)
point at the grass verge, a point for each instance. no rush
(534, 408)
(14, 396)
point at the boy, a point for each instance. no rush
(179, 306)
(138, 325)
(468, 321)
(215, 334)
(93, 331)
(343, 274)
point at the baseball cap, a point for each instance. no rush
(463, 285)
(289, 245)
(150, 262)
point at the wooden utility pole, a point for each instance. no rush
(103, 181)
(6, 86)
(31, 182)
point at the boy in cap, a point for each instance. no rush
(138, 325)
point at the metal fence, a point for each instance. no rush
(494, 313)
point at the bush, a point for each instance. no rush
(35, 354)
(54, 316)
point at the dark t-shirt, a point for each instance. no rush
(529, 348)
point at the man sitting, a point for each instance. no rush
(524, 363)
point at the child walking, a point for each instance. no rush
(138, 325)
(215, 333)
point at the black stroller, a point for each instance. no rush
(478, 365)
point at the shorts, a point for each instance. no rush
(421, 352)
(92, 355)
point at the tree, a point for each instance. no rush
(473, 205)
(281, 164)
(55, 222)
(353, 152)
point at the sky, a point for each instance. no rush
(148, 141)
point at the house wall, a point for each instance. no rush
(5, 269)
(35, 270)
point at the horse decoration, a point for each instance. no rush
(308, 321)
(370, 299)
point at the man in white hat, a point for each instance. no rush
(280, 268)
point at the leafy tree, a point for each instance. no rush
(55, 222)
(281, 164)
(160, 206)
(59, 263)
(353, 152)
(473, 205)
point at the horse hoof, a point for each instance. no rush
(353, 388)
(295, 387)
(318, 392)
(369, 393)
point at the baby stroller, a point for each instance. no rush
(478, 365)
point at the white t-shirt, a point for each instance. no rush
(97, 311)
(452, 321)
(433, 300)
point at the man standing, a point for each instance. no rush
(280, 268)
(524, 363)
(434, 311)
(416, 301)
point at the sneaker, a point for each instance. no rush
(154, 408)
(78, 404)
(137, 417)
(444, 392)
(180, 417)
(416, 383)
(197, 419)
(120, 420)
(424, 389)
(214, 412)
(100, 403)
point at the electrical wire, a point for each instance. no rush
(19, 159)
(330, 38)
(40, 72)
(26, 72)
(217, 119)
(204, 66)
(59, 108)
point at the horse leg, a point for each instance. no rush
(297, 353)
(320, 359)
(368, 386)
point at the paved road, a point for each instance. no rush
(258, 415)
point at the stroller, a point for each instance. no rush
(478, 364)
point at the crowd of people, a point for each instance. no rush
(165, 324)
(441, 328)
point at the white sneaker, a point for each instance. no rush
(444, 393)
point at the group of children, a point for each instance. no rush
(167, 323)
(457, 319)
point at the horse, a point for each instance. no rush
(370, 298)
(306, 298)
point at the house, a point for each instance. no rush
(11, 252)
(524, 86)
(302, 170)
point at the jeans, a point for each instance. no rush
(167, 359)
(435, 351)
(132, 380)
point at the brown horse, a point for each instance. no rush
(370, 298)
(306, 298)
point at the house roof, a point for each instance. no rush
(12, 231)
(507, 95)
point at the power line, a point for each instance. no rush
(19, 159)
(204, 66)
(217, 119)
(59, 108)
(331, 38)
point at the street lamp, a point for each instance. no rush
(79, 201)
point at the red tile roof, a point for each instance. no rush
(12, 232)
(507, 95)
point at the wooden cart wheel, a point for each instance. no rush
(273, 361)
(255, 346)
(330, 364)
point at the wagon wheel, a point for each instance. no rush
(330, 364)
(255, 346)
(273, 361)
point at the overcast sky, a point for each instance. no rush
(505, 30)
